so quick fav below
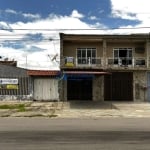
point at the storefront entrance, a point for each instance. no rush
(79, 88)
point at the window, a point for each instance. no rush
(86, 55)
(123, 56)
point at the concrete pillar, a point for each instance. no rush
(139, 86)
(61, 51)
(62, 89)
(104, 54)
(65, 90)
(98, 88)
(147, 47)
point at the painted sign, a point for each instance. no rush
(69, 62)
(8, 81)
(12, 86)
(9, 86)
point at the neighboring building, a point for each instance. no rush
(105, 67)
(45, 84)
(21, 84)
(15, 84)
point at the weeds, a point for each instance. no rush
(18, 107)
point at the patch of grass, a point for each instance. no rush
(19, 107)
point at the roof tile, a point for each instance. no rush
(43, 72)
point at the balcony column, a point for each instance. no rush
(147, 53)
(62, 61)
(104, 64)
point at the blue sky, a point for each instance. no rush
(26, 26)
(100, 10)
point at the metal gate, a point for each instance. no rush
(119, 86)
(46, 89)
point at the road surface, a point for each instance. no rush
(74, 134)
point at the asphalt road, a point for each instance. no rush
(74, 134)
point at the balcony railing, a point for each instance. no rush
(88, 61)
(72, 62)
(107, 62)
(124, 61)
(120, 61)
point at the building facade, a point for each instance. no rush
(105, 67)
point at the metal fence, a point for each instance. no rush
(22, 88)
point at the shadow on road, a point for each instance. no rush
(91, 105)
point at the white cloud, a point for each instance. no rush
(132, 9)
(134, 6)
(26, 15)
(10, 11)
(93, 18)
(31, 16)
(124, 15)
(137, 10)
(76, 14)
(4, 25)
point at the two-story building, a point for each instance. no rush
(105, 67)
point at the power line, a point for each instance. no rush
(16, 36)
(76, 29)
(24, 40)
(64, 29)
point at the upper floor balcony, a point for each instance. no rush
(106, 63)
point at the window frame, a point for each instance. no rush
(127, 59)
(86, 60)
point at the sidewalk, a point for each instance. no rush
(114, 109)
(77, 109)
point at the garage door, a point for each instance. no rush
(46, 89)
(79, 89)
(119, 86)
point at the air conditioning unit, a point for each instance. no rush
(140, 62)
(139, 49)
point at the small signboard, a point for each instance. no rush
(9, 87)
(8, 81)
(69, 62)
(12, 86)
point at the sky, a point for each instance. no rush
(29, 29)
